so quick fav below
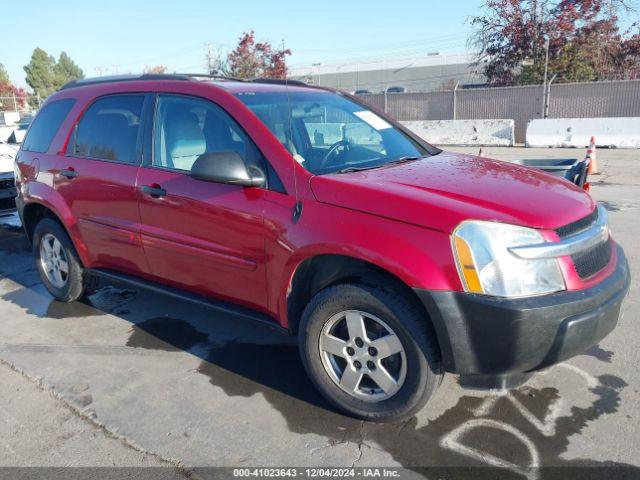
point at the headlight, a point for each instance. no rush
(486, 265)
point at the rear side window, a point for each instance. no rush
(46, 124)
(110, 128)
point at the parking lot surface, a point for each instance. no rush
(130, 378)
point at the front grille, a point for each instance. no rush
(7, 203)
(591, 261)
(578, 226)
(7, 183)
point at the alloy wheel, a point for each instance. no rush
(53, 260)
(362, 355)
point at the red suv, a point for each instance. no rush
(391, 260)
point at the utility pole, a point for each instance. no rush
(534, 20)
(548, 95)
(386, 101)
(210, 56)
(284, 60)
(455, 99)
(546, 69)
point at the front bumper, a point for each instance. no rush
(493, 341)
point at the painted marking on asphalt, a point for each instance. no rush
(452, 442)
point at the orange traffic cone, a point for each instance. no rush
(591, 156)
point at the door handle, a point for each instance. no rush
(155, 191)
(69, 173)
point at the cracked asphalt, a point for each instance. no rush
(132, 379)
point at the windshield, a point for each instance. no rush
(329, 133)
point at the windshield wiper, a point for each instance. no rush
(405, 159)
(356, 169)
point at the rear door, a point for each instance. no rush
(203, 236)
(97, 179)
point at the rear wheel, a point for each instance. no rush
(57, 261)
(369, 351)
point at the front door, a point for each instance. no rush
(203, 236)
(97, 180)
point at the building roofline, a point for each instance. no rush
(390, 64)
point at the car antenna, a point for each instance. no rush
(297, 208)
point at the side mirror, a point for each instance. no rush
(226, 167)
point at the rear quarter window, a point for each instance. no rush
(46, 125)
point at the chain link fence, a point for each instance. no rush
(568, 100)
(16, 103)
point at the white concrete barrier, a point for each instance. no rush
(621, 132)
(5, 132)
(464, 132)
(12, 134)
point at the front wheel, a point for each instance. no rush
(370, 351)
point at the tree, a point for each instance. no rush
(256, 60)
(155, 69)
(41, 75)
(11, 97)
(45, 75)
(66, 70)
(4, 76)
(585, 42)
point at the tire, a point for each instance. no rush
(392, 310)
(72, 287)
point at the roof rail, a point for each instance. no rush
(212, 76)
(276, 81)
(174, 76)
(279, 81)
(124, 78)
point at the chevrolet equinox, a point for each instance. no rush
(392, 261)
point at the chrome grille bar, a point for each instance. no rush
(594, 235)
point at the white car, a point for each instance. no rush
(7, 178)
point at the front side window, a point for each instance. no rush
(46, 124)
(109, 129)
(326, 132)
(188, 127)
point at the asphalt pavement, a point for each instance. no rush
(132, 379)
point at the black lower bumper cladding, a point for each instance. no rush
(496, 342)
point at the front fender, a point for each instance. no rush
(419, 257)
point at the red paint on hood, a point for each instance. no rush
(441, 191)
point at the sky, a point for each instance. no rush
(121, 36)
(124, 36)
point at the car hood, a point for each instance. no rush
(443, 190)
(7, 157)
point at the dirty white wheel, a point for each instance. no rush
(363, 355)
(53, 261)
